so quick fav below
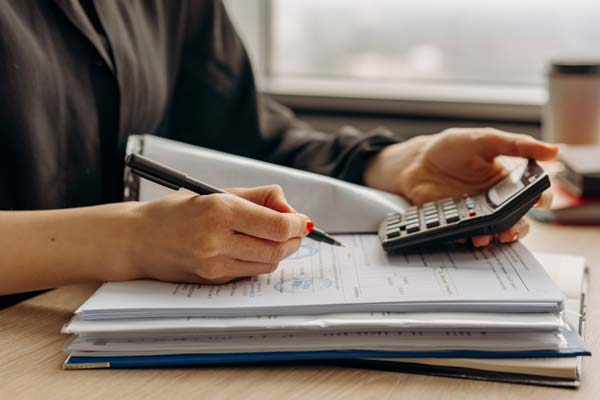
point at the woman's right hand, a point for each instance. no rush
(185, 237)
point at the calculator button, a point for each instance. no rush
(393, 221)
(393, 234)
(412, 228)
(452, 217)
(432, 222)
(415, 223)
(472, 213)
(390, 227)
(430, 213)
(412, 215)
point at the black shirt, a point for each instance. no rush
(78, 77)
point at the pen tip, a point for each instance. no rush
(336, 243)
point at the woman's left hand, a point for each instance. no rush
(453, 162)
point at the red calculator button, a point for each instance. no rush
(472, 213)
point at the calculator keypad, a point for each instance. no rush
(430, 215)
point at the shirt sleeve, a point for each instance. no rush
(215, 104)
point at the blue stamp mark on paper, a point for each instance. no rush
(299, 285)
(305, 250)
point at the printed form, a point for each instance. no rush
(357, 277)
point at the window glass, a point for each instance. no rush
(458, 41)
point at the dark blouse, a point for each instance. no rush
(79, 76)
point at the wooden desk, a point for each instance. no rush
(31, 356)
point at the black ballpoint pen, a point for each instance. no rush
(173, 179)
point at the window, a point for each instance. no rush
(468, 51)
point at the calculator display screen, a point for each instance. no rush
(507, 187)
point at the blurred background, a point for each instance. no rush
(504, 42)
(414, 66)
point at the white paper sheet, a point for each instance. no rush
(568, 271)
(357, 208)
(348, 322)
(382, 340)
(562, 367)
(360, 277)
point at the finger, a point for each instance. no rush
(508, 236)
(262, 222)
(271, 196)
(249, 248)
(516, 145)
(224, 269)
(518, 231)
(482, 240)
(430, 191)
(545, 200)
(242, 268)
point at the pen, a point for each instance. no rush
(173, 179)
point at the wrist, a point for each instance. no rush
(373, 170)
(124, 224)
(390, 169)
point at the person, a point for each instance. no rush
(79, 76)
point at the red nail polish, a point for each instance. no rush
(309, 226)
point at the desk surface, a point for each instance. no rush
(31, 357)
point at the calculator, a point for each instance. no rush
(493, 211)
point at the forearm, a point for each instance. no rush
(45, 249)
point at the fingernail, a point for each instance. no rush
(309, 227)
(515, 237)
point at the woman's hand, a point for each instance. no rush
(182, 237)
(453, 162)
(216, 238)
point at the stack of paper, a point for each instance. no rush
(571, 274)
(357, 277)
(329, 303)
(492, 313)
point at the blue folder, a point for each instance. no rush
(78, 362)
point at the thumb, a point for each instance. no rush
(498, 143)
